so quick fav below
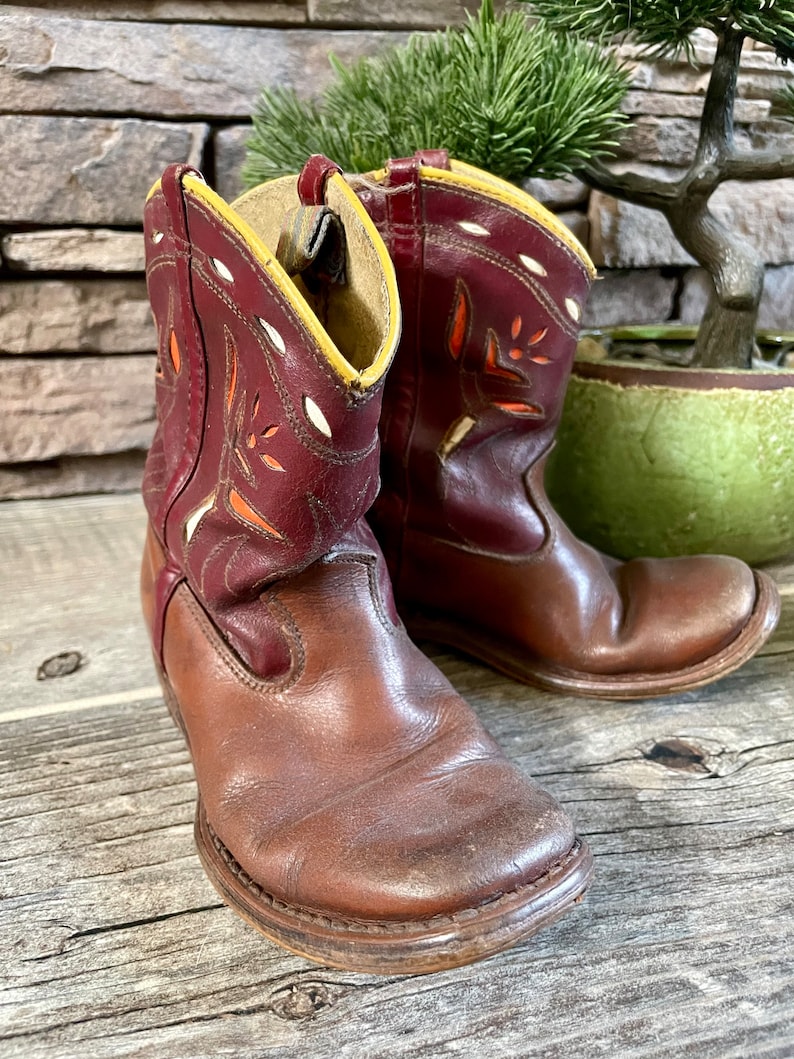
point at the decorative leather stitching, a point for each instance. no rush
(369, 562)
(500, 262)
(301, 433)
(229, 657)
(384, 926)
(516, 215)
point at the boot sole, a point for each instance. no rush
(387, 947)
(760, 626)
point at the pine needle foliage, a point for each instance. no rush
(515, 99)
(666, 26)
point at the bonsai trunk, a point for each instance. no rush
(726, 337)
(727, 333)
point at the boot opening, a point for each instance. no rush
(359, 311)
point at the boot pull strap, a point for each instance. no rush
(312, 244)
(173, 193)
(436, 159)
(312, 178)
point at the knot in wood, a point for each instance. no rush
(677, 754)
(302, 1001)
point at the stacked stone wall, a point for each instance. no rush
(95, 99)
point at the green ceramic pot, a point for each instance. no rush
(653, 460)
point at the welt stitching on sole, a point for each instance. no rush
(383, 927)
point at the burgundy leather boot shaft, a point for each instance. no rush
(493, 288)
(288, 455)
(351, 806)
(492, 302)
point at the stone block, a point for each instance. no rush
(82, 66)
(629, 297)
(560, 194)
(776, 311)
(74, 250)
(623, 235)
(75, 316)
(248, 12)
(671, 141)
(229, 148)
(75, 406)
(578, 224)
(762, 76)
(87, 170)
(424, 14)
(676, 105)
(72, 475)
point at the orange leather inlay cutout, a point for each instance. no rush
(255, 409)
(516, 353)
(271, 462)
(538, 336)
(515, 330)
(251, 440)
(519, 408)
(270, 432)
(539, 358)
(232, 375)
(459, 324)
(242, 508)
(491, 365)
(176, 356)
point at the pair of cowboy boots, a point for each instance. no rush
(351, 806)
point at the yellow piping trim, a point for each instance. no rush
(267, 260)
(469, 176)
(369, 376)
(465, 175)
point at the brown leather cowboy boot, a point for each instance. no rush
(492, 287)
(351, 806)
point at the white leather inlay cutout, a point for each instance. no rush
(316, 417)
(472, 228)
(194, 519)
(222, 270)
(274, 336)
(532, 265)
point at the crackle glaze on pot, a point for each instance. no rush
(658, 461)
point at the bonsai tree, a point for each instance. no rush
(515, 99)
(727, 332)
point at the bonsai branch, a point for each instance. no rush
(762, 166)
(633, 187)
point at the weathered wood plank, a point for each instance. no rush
(114, 944)
(85, 66)
(71, 569)
(74, 250)
(75, 406)
(75, 316)
(70, 170)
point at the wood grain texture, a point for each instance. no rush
(114, 944)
